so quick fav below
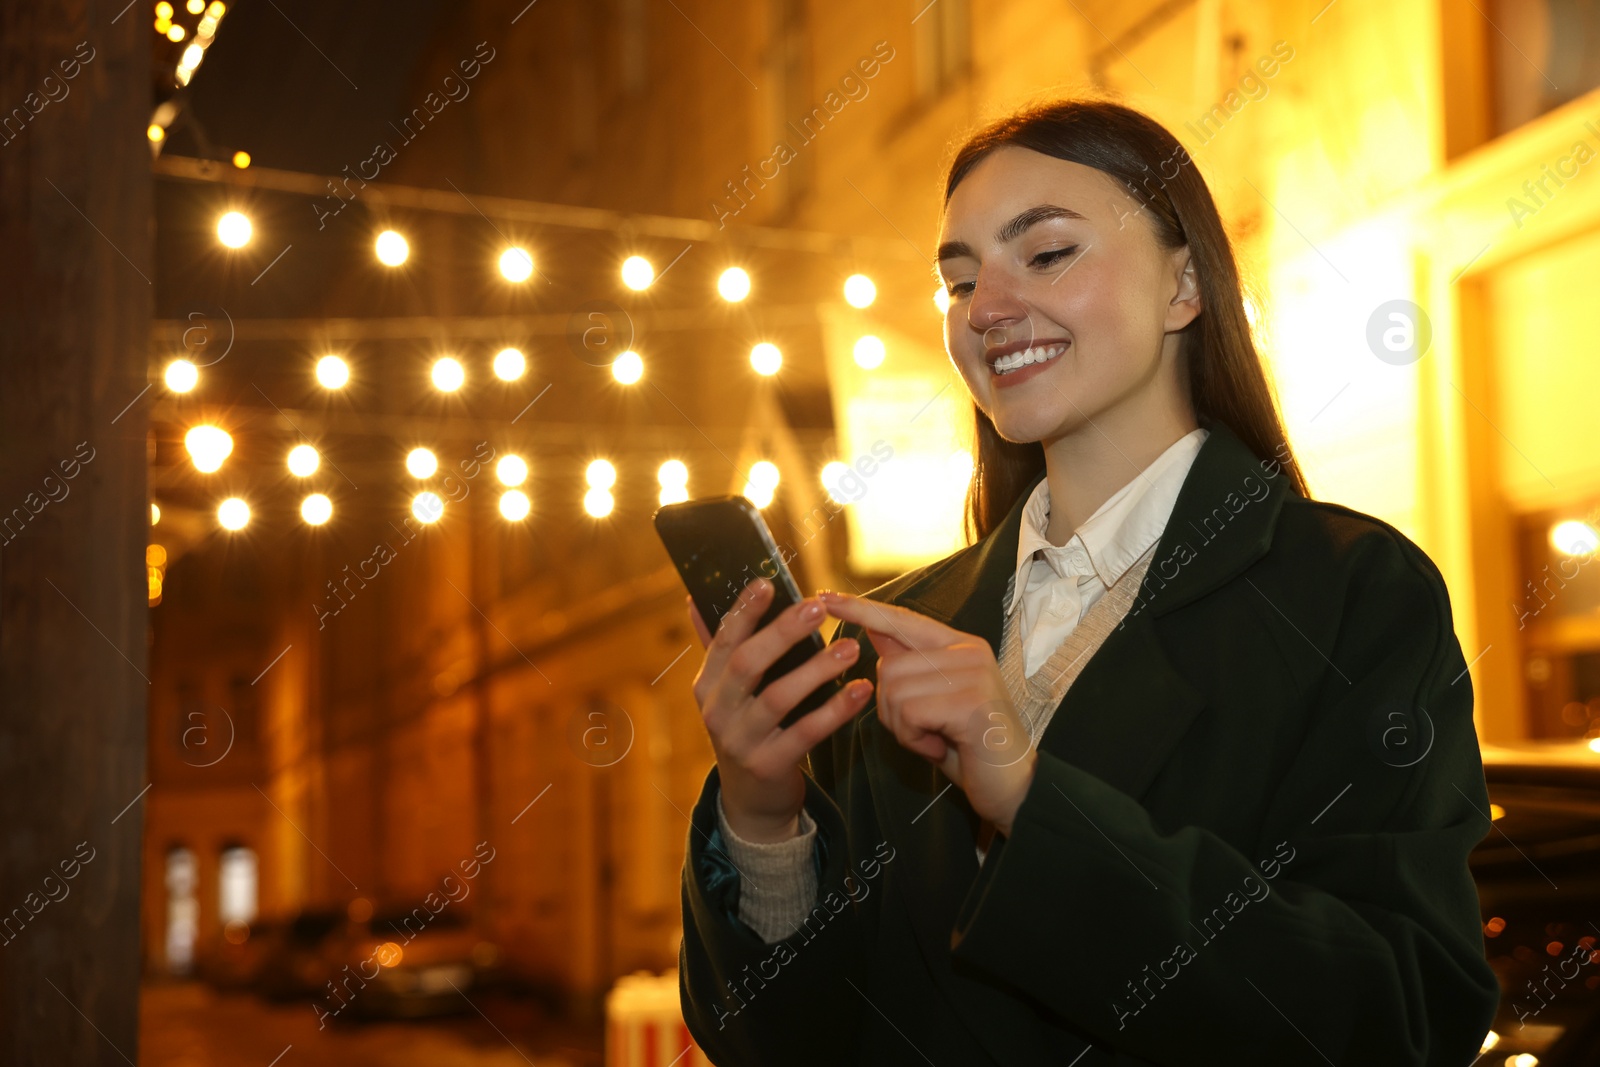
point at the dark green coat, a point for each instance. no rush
(1246, 841)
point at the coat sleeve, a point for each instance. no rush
(746, 1001)
(1350, 936)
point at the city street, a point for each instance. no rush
(192, 1025)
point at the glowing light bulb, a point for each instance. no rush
(332, 372)
(859, 292)
(673, 473)
(234, 229)
(869, 352)
(303, 461)
(627, 368)
(514, 505)
(155, 513)
(391, 248)
(511, 470)
(734, 285)
(509, 364)
(208, 446)
(427, 507)
(233, 514)
(766, 358)
(764, 473)
(156, 133)
(241, 158)
(421, 463)
(516, 264)
(1574, 537)
(176, 33)
(637, 273)
(598, 502)
(316, 509)
(448, 374)
(181, 375)
(600, 474)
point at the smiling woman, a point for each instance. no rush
(1087, 726)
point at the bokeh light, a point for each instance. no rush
(181, 376)
(511, 470)
(734, 285)
(234, 229)
(332, 372)
(516, 265)
(448, 374)
(509, 364)
(421, 463)
(766, 358)
(514, 504)
(637, 273)
(627, 368)
(208, 446)
(316, 509)
(859, 291)
(391, 248)
(303, 461)
(427, 506)
(869, 352)
(233, 514)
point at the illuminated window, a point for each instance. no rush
(237, 879)
(183, 909)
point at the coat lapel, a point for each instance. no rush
(1129, 707)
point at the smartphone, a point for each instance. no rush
(720, 544)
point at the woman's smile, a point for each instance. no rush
(1011, 364)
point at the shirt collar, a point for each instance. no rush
(1119, 532)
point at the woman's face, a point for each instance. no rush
(1050, 260)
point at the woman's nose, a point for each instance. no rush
(994, 310)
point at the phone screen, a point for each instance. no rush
(719, 545)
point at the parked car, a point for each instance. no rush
(296, 964)
(420, 964)
(1538, 876)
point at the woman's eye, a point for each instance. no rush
(1055, 255)
(960, 288)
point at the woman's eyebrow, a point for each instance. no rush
(1013, 229)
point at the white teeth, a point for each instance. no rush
(1017, 360)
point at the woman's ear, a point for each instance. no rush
(1185, 306)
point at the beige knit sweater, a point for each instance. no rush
(778, 882)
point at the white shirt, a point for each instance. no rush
(1056, 585)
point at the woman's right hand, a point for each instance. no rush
(758, 762)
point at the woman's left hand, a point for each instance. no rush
(941, 695)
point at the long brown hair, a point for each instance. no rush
(1226, 377)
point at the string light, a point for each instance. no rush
(163, 10)
(734, 285)
(176, 33)
(155, 513)
(421, 463)
(627, 368)
(511, 470)
(316, 509)
(208, 446)
(233, 514)
(332, 372)
(391, 248)
(601, 476)
(674, 479)
(181, 375)
(448, 374)
(195, 6)
(514, 505)
(156, 133)
(637, 273)
(516, 264)
(766, 358)
(427, 507)
(859, 292)
(869, 352)
(303, 461)
(234, 229)
(509, 364)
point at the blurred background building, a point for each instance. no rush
(340, 713)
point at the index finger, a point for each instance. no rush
(911, 629)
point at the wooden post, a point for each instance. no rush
(75, 311)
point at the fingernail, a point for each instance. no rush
(845, 648)
(812, 610)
